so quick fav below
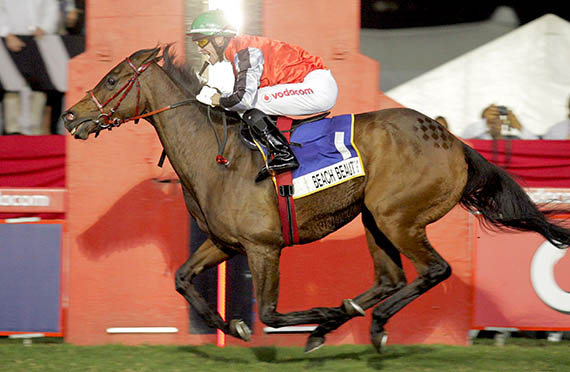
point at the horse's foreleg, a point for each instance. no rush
(389, 277)
(264, 266)
(207, 255)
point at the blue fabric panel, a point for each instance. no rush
(30, 277)
(318, 149)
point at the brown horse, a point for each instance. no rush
(416, 171)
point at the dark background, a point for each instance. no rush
(386, 14)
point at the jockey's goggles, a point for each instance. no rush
(203, 42)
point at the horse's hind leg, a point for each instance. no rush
(388, 278)
(207, 255)
(431, 267)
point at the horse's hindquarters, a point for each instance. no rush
(415, 168)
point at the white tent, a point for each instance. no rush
(406, 53)
(527, 70)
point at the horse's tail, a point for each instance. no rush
(503, 204)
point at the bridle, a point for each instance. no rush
(106, 121)
(109, 122)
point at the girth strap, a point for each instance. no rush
(284, 189)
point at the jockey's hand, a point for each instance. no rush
(216, 99)
(206, 95)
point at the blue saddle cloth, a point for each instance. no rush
(327, 155)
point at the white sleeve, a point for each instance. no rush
(527, 135)
(475, 130)
(559, 131)
(49, 16)
(4, 19)
(249, 64)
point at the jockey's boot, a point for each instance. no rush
(283, 158)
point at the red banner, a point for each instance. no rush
(32, 161)
(535, 163)
(36, 164)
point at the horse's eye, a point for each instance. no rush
(111, 82)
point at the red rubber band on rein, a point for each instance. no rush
(221, 160)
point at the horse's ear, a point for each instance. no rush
(148, 55)
(165, 53)
(153, 56)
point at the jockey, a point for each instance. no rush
(271, 78)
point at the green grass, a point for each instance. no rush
(517, 355)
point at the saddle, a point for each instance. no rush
(247, 136)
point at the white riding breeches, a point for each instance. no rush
(316, 93)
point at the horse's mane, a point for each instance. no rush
(187, 79)
(183, 74)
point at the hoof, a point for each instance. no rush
(379, 340)
(314, 343)
(352, 308)
(239, 329)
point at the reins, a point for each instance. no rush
(220, 159)
(110, 123)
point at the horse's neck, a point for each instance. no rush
(187, 138)
(182, 130)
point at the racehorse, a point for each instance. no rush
(416, 171)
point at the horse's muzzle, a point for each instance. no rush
(75, 126)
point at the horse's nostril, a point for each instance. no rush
(69, 116)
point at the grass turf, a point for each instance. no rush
(518, 355)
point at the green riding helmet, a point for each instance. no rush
(211, 23)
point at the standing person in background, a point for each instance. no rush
(497, 122)
(24, 110)
(73, 17)
(560, 130)
(443, 121)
